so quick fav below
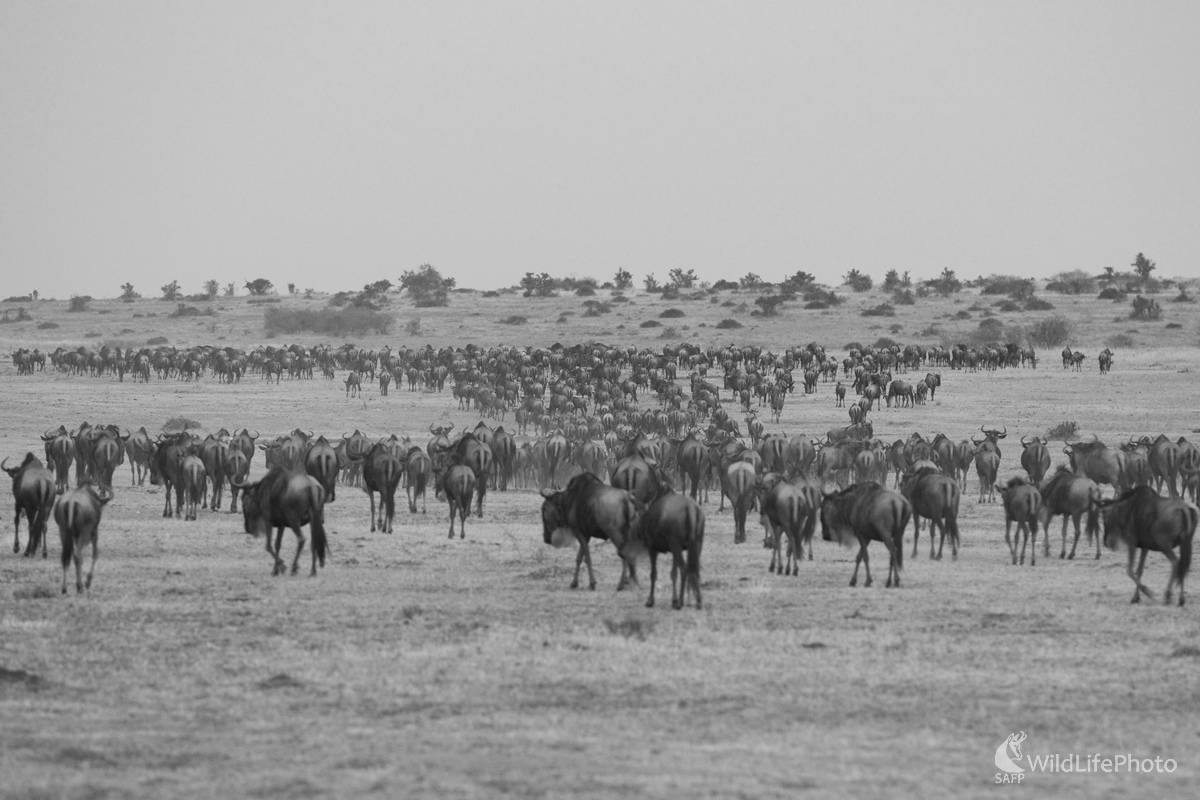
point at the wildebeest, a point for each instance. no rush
(353, 384)
(738, 484)
(236, 469)
(639, 477)
(138, 449)
(60, 452)
(1022, 505)
(78, 516)
(691, 456)
(418, 468)
(864, 513)
(987, 466)
(1106, 359)
(672, 524)
(321, 462)
(381, 473)
(166, 469)
(590, 509)
(1143, 521)
(213, 451)
(1072, 496)
(286, 499)
(1035, 458)
(934, 496)
(789, 508)
(194, 482)
(33, 493)
(1164, 462)
(1098, 461)
(455, 482)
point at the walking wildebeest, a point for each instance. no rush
(738, 484)
(33, 493)
(418, 468)
(381, 473)
(863, 513)
(672, 524)
(78, 516)
(934, 496)
(1022, 505)
(285, 499)
(1143, 521)
(788, 508)
(1035, 458)
(195, 480)
(1072, 496)
(166, 469)
(590, 509)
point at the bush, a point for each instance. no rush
(823, 296)
(585, 291)
(1121, 340)
(1145, 308)
(1182, 297)
(945, 284)
(1074, 282)
(259, 286)
(651, 323)
(25, 298)
(992, 327)
(157, 340)
(1008, 306)
(768, 305)
(1037, 304)
(857, 281)
(963, 315)
(1111, 293)
(725, 285)
(668, 333)
(21, 316)
(79, 302)
(185, 311)
(596, 307)
(515, 319)
(257, 301)
(815, 305)
(491, 293)
(1170, 325)
(881, 310)
(727, 323)
(903, 297)
(882, 343)
(1052, 332)
(426, 286)
(335, 322)
(1011, 285)
(671, 313)
(45, 326)
(1063, 431)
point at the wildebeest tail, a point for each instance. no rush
(67, 534)
(693, 553)
(1192, 516)
(1093, 516)
(898, 533)
(320, 542)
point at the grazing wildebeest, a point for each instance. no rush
(672, 524)
(381, 473)
(590, 509)
(286, 499)
(1072, 496)
(1098, 461)
(1022, 505)
(1143, 521)
(934, 496)
(78, 516)
(33, 493)
(788, 508)
(1035, 458)
(418, 468)
(863, 513)
(194, 482)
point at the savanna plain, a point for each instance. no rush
(415, 665)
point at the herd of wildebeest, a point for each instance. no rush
(619, 428)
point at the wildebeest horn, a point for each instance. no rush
(431, 429)
(2, 463)
(256, 433)
(1023, 438)
(50, 434)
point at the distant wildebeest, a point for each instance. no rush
(1022, 505)
(286, 499)
(1143, 521)
(590, 509)
(673, 523)
(78, 516)
(865, 513)
(33, 493)
(1106, 359)
(353, 384)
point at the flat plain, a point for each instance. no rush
(419, 666)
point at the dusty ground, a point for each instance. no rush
(417, 666)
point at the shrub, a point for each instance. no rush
(426, 286)
(881, 310)
(413, 327)
(651, 323)
(1182, 297)
(1038, 304)
(769, 304)
(668, 333)
(671, 313)
(21, 316)
(25, 298)
(335, 322)
(751, 280)
(903, 297)
(185, 311)
(1051, 332)
(79, 302)
(823, 296)
(963, 315)
(1111, 293)
(992, 327)
(815, 305)
(585, 291)
(259, 286)
(670, 292)
(883, 343)
(1063, 431)
(491, 293)
(620, 298)
(1145, 308)
(1173, 325)
(1008, 306)
(157, 340)
(92, 335)
(45, 326)
(945, 284)
(258, 301)
(727, 323)
(515, 319)
(857, 281)
(596, 307)
(1074, 282)
(725, 285)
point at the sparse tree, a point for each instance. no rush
(945, 284)
(259, 286)
(426, 286)
(230, 290)
(651, 283)
(623, 279)
(33, 294)
(211, 288)
(128, 294)
(681, 279)
(413, 327)
(538, 285)
(171, 291)
(1143, 267)
(1145, 308)
(79, 302)
(751, 281)
(769, 304)
(857, 281)
(799, 282)
(291, 288)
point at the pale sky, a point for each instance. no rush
(332, 144)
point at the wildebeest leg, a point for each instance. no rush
(776, 550)
(939, 527)
(278, 568)
(862, 550)
(92, 565)
(917, 536)
(1066, 521)
(653, 576)
(1174, 559)
(866, 563)
(1025, 541)
(1076, 542)
(371, 495)
(1012, 544)
(1137, 578)
(451, 519)
(677, 571)
(299, 546)
(581, 556)
(893, 577)
(17, 532)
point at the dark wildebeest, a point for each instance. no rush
(737, 483)
(788, 508)
(692, 457)
(1164, 462)
(1106, 359)
(1143, 521)
(33, 493)
(381, 473)
(166, 469)
(60, 451)
(285, 499)
(139, 448)
(321, 462)
(638, 476)
(213, 451)
(934, 496)
(590, 509)
(455, 482)
(108, 451)
(195, 480)
(1098, 461)
(862, 513)
(78, 516)
(235, 467)
(1072, 496)
(1035, 458)
(418, 468)
(987, 466)
(504, 449)
(353, 384)
(672, 524)
(1022, 505)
